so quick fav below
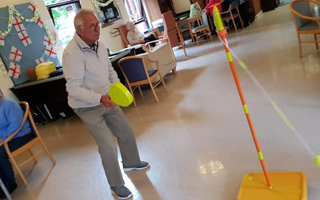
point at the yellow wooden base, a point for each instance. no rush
(286, 186)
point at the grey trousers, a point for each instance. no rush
(102, 123)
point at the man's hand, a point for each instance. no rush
(106, 101)
(142, 41)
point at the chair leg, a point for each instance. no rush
(18, 170)
(190, 31)
(184, 49)
(154, 92)
(46, 150)
(315, 39)
(140, 91)
(210, 36)
(164, 85)
(134, 99)
(300, 48)
(234, 24)
(174, 70)
(48, 153)
(197, 39)
(32, 155)
(172, 50)
(240, 18)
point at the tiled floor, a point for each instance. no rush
(197, 139)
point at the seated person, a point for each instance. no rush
(135, 37)
(11, 117)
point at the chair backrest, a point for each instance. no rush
(200, 2)
(170, 28)
(234, 5)
(25, 107)
(195, 10)
(303, 8)
(133, 68)
(123, 34)
(204, 18)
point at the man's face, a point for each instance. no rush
(90, 31)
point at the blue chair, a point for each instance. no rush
(304, 21)
(12, 153)
(202, 29)
(136, 74)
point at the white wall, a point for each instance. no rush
(113, 44)
(181, 5)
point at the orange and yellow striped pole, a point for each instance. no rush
(222, 32)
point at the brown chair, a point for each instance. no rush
(304, 22)
(183, 26)
(135, 72)
(231, 14)
(200, 2)
(123, 34)
(36, 140)
(171, 31)
(202, 28)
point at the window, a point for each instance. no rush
(136, 14)
(134, 9)
(62, 13)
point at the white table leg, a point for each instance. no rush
(5, 190)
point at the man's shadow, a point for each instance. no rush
(144, 188)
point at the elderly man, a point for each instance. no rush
(89, 74)
(11, 117)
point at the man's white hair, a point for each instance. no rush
(129, 25)
(78, 19)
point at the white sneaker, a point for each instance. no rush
(141, 166)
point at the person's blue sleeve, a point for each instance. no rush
(14, 115)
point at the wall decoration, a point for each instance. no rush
(15, 54)
(107, 11)
(17, 23)
(3, 68)
(1, 40)
(114, 33)
(39, 61)
(25, 41)
(25, 38)
(14, 70)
